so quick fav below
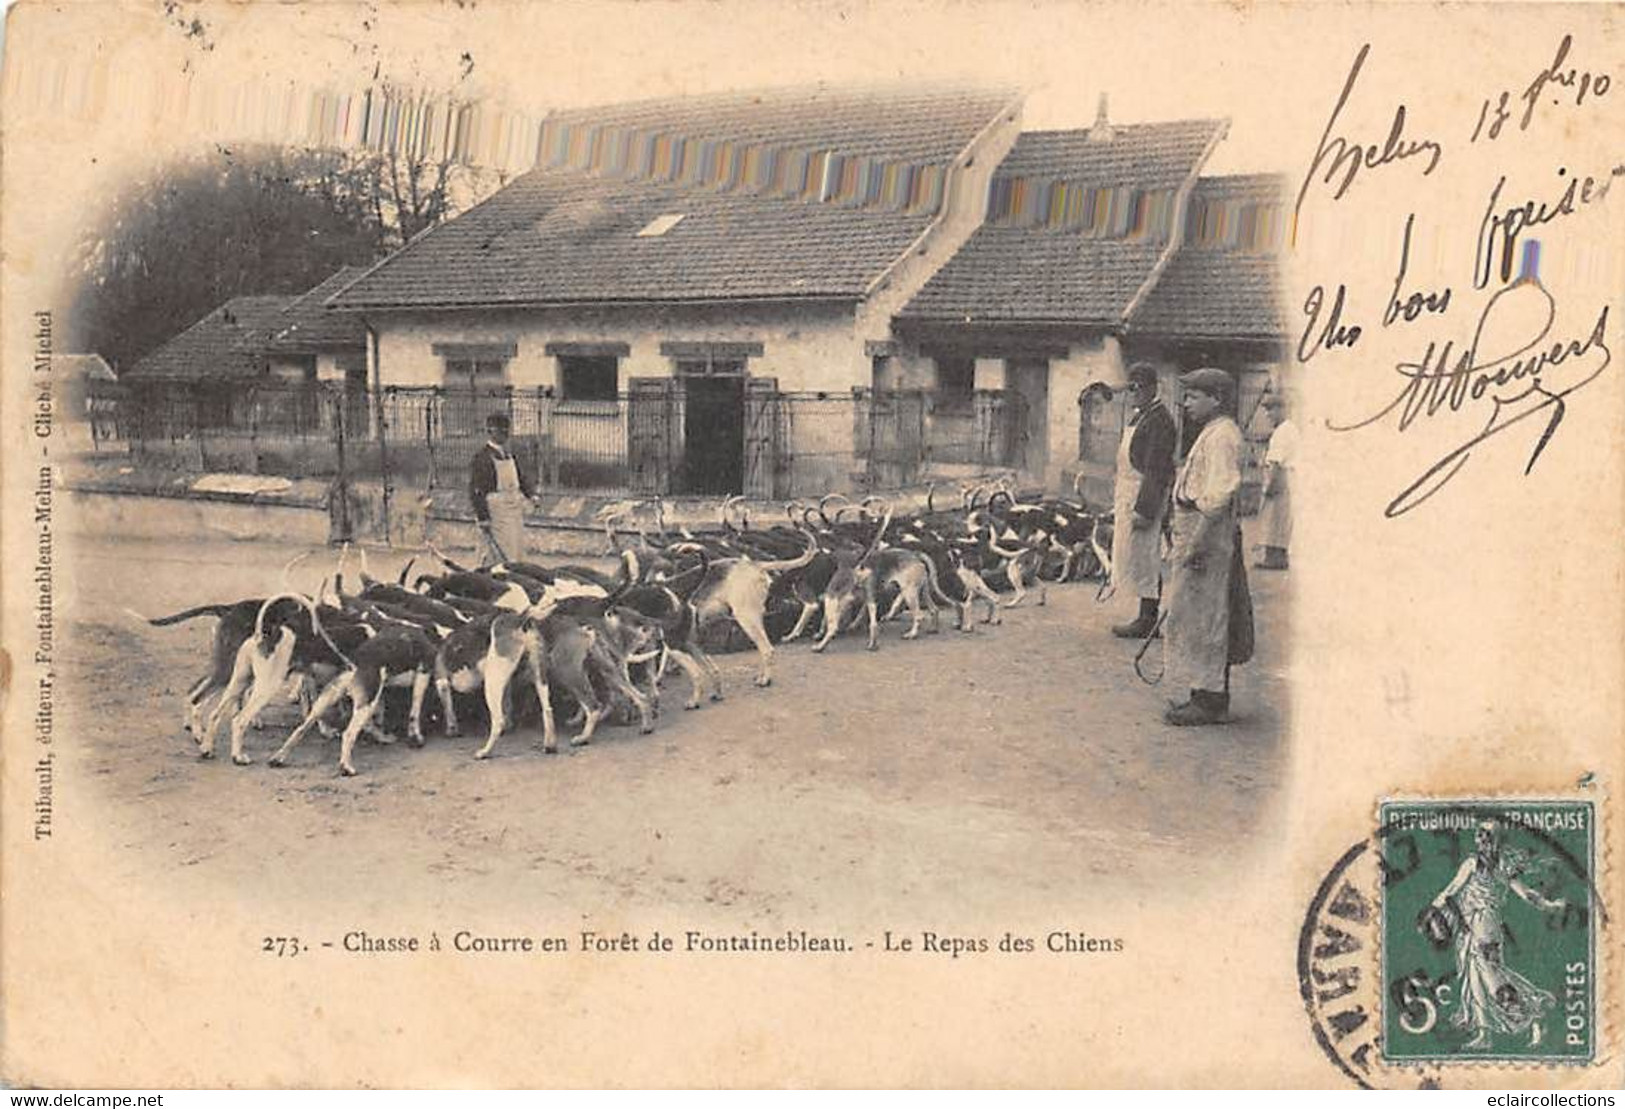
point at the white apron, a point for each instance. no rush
(505, 541)
(1275, 525)
(1275, 517)
(1136, 555)
(1196, 632)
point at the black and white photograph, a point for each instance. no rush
(723, 527)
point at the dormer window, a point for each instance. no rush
(661, 224)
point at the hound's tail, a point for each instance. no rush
(287, 567)
(880, 534)
(440, 556)
(315, 622)
(936, 588)
(804, 558)
(182, 617)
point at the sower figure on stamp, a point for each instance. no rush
(498, 490)
(1493, 997)
(1209, 625)
(1275, 523)
(1145, 470)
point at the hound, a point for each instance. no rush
(235, 624)
(399, 655)
(915, 577)
(487, 654)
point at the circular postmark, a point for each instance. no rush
(1338, 973)
(1460, 932)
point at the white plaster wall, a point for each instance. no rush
(913, 370)
(964, 207)
(332, 367)
(807, 347)
(289, 370)
(1084, 364)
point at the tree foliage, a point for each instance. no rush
(242, 221)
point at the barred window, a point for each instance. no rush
(588, 377)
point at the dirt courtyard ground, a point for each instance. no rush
(1016, 764)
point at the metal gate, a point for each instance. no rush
(767, 440)
(896, 437)
(654, 420)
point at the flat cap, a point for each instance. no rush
(1215, 383)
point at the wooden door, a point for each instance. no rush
(767, 462)
(653, 418)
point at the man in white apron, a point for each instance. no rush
(498, 490)
(1145, 469)
(1275, 523)
(1199, 635)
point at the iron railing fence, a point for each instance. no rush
(658, 438)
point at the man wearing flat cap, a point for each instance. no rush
(498, 490)
(1209, 622)
(1145, 470)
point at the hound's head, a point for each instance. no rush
(640, 636)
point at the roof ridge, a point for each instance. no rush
(1176, 235)
(911, 89)
(1120, 126)
(302, 297)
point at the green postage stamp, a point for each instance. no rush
(1488, 930)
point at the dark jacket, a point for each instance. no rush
(1152, 452)
(482, 479)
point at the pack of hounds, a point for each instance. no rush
(603, 642)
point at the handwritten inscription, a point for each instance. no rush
(1517, 368)
(1416, 304)
(1574, 83)
(1498, 234)
(1342, 159)
(1332, 334)
(1516, 384)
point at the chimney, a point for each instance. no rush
(1102, 130)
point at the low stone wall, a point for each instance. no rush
(252, 508)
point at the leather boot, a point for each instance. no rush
(1142, 624)
(1205, 707)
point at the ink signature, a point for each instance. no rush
(1511, 382)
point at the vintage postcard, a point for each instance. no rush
(902, 544)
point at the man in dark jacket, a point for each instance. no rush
(498, 489)
(1145, 471)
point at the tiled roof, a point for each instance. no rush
(920, 123)
(1007, 274)
(1259, 188)
(309, 326)
(1146, 155)
(1224, 283)
(1012, 273)
(1215, 295)
(568, 232)
(228, 342)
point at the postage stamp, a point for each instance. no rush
(1488, 930)
(654, 515)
